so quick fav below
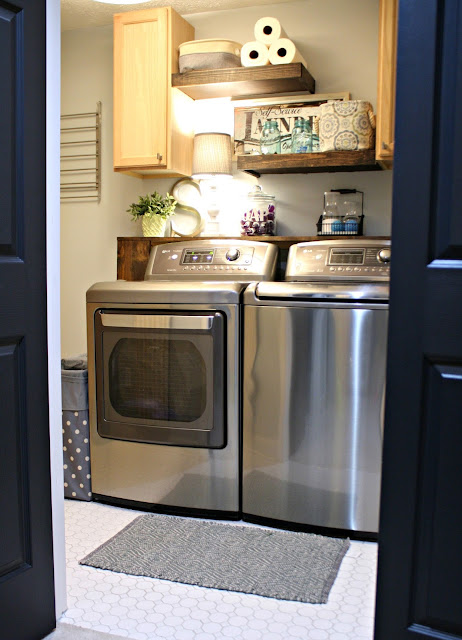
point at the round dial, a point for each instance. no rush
(384, 255)
(232, 254)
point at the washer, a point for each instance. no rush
(164, 374)
(313, 396)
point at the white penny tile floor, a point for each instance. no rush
(151, 609)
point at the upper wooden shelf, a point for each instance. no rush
(244, 81)
(309, 162)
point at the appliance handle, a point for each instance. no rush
(152, 321)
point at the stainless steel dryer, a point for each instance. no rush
(313, 396)
(164, 374)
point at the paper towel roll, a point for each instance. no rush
(254, 54)
(268, 30)
(283, 51)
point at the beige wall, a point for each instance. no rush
(338, 38)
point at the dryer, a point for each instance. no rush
(164, 374)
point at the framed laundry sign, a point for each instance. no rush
(250, 116)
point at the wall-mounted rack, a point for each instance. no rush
(81, 156)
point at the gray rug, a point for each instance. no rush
(266, 562)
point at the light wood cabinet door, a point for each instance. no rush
(147, 133)
(386, 82)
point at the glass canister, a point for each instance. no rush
(259, 218)
(270, 141)
(301, 136)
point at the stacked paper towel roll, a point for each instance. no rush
(283, 51)
(271, 46)
(268, 30)
(254, 54)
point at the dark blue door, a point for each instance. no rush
(26, 558)
(420, 559)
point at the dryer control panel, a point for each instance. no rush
(239, 261)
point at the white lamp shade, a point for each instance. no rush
(212, 155)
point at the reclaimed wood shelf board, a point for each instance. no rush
(244, 81)
(133, 252)
(324, 162)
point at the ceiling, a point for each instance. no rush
(76, 14)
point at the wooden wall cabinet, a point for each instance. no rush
(386, 83)
(153, 127)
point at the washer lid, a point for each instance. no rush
(165, 292)
(318, 292)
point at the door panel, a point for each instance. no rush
(15, 550)
(11, 88)
(435, 605)
(26, 554)
(418, 594)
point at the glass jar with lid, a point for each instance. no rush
(259, 217)
(270, 141)
(301, 136)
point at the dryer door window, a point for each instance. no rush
(160, 377)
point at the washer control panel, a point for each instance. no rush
(339, 259)
(240, 260)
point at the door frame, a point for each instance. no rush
(53, 110)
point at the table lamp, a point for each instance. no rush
(211, 163)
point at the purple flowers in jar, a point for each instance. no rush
(260, 218)
(257, 222)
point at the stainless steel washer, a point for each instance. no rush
(164, 373)
(314, 386)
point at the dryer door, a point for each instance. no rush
(160, 377)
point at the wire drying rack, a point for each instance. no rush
(81, 156)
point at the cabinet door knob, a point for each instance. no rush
(159, 156)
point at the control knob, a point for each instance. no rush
(384, 255)
(232, 254)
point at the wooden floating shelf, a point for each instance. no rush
(321, 162)
(244, 81)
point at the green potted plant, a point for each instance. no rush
(154, 211)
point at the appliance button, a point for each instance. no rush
(245, 269)
(247, 261)
(332, 268)
(227, 268)
(221, 268)
(366, 268)
(373, 269)
(207, 267)
(348, 269)
(193, 268)
(357, 269)
(185, 268)
(200, 267)
(174, 256)
(339, 268)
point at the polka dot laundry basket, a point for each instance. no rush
(346, 125)
(76, 445)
